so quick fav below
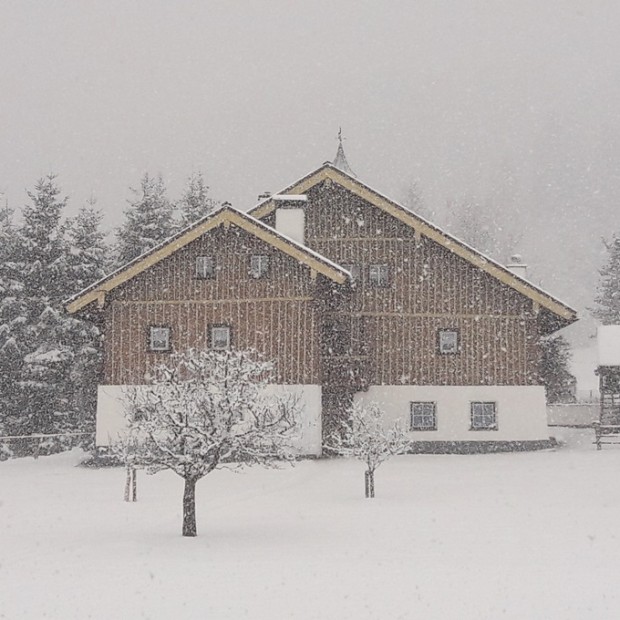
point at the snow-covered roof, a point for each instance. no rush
(96, 292)
(561, 310)
(608, 341)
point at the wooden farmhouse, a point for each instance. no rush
(355, 298)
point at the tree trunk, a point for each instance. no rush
(134, 485)
(189, 507)
(131, 491)
(369, 479)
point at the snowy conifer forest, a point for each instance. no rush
(241, 377)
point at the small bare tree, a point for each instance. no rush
(126, 448)
(209, 409)
(363, 435)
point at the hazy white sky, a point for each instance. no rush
(513, 102)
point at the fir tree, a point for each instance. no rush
(607, 300)
(39, 341)
(148, 221)
(554, 370)
(88, 262)
(11, 322)
(196, 202)
(89, 255)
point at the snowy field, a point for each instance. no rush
(526, 535)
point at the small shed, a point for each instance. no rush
(608, 370)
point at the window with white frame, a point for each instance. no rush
(205, 267)
(159, 338)
(483, 416)
(259, 265)
(423, 416)
(448, 341)
(354, 270)
(220, 337)
(379, 276)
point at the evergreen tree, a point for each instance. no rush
(414, 200)
(196, 202)
(88, 262)
(554, 370)
(11, 322)
(89, 255)
(148, 221)
(607, 300)
(39, 340)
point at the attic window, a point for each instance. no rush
(259, 265)
(379, 276)
(448, 341)
(159, 339)
(205, 267)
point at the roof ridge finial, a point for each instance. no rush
(340, 161)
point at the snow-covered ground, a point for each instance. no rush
(525, 535)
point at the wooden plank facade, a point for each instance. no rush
(393, 329)
(276, 314)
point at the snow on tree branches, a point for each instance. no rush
(607, 308)
(209, 409)
(364, 436)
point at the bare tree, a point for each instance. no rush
(209, 409)
(364, 435)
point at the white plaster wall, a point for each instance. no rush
(521, 410)
(307, 440)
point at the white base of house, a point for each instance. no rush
(307, 440)
(520, 410)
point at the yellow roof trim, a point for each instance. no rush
(420, 226)
(226, 216)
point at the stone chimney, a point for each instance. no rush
(517, 266)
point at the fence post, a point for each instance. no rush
(597, 435)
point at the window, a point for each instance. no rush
(423, 416)
(259, 265)
(355, 272)
(205, 267)
(159, 338)
(483, 416)
(378, 275)
(448, 341)
(220, 337)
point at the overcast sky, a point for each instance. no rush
(510, 102)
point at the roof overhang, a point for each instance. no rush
(227, 216)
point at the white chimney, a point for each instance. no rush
(291, 219)
(517, 266)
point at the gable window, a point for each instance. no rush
(423, 416)
(354, 270)
(159, 338)
(220, 337)
(205, 267)
(379, 276)
(448, 341)
(483, 416)
(259, 265)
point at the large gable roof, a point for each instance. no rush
(560, 314)
(226, 216)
